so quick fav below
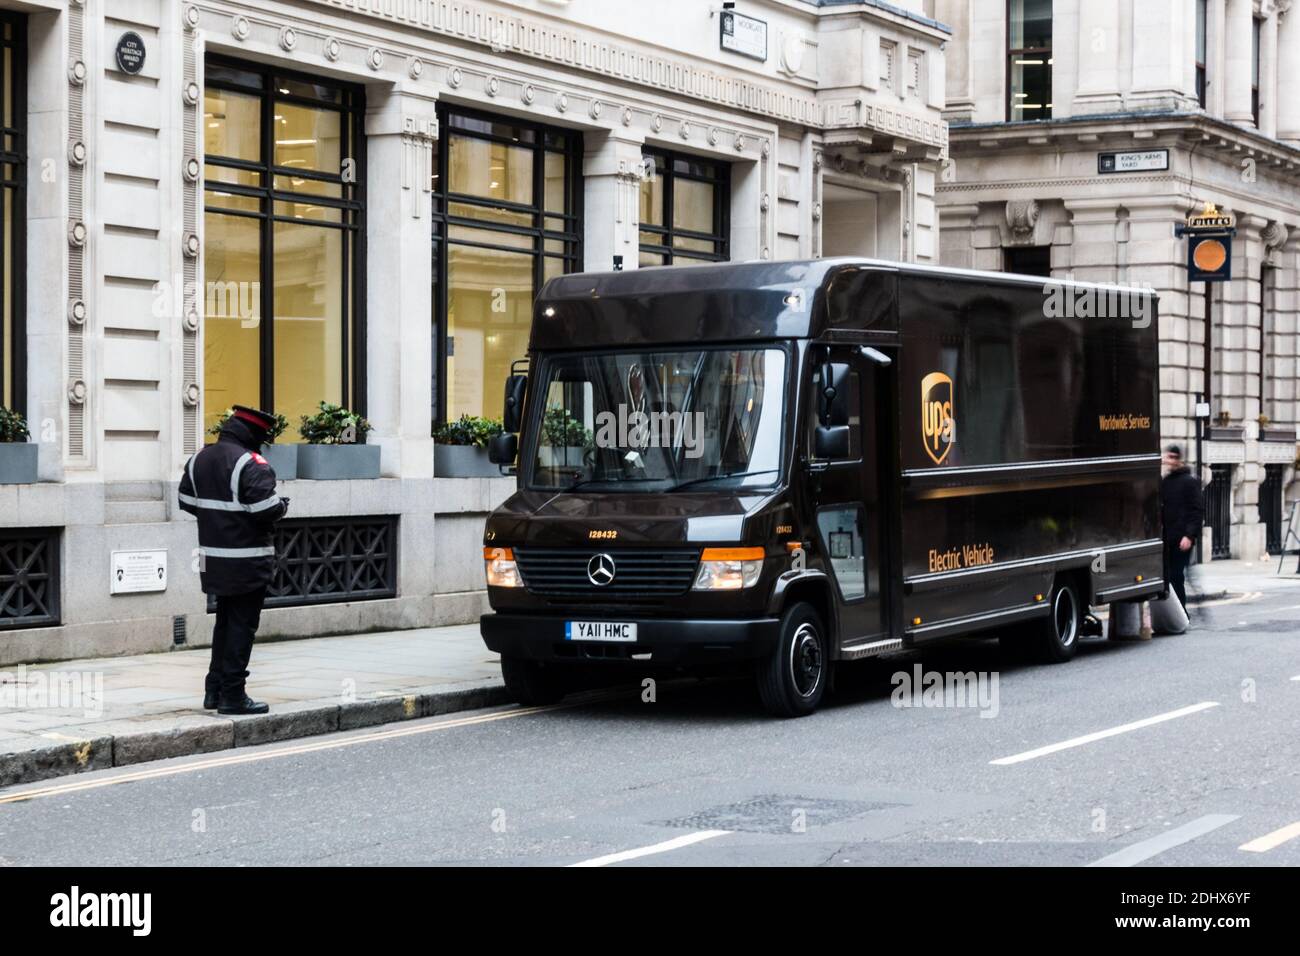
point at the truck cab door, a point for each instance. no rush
(848, 519)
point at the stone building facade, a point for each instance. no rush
(1082, 132)
(284, 202)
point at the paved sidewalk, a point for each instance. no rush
(148, 707)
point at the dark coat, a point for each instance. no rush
(230, 488)
(1182, 506)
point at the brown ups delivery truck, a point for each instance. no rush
(782, 466)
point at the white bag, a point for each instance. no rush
(1168, 616)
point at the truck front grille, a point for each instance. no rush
(562, 572)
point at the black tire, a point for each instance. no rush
(1054, 639)
(530, 683)
(792, 681)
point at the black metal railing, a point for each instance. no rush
(1270, 507)
(1218, 511)
(29, 577)
(331, 560)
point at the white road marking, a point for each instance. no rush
(1271, 840)
(1103, 734)
(1145, 849)
(675, 843)
(1297, 677)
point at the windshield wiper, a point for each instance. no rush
(730, 474)
(605, 481)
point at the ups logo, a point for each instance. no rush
(938, 426)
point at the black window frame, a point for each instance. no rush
(545, 138)
(13, 259)
(1201, 53)
(719, 178)
(1012, 53)
(1256, 66)
(352, 206)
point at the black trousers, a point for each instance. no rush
(232, 642)
(1176, 562)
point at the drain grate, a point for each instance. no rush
(772, 813)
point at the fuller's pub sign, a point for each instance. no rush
(1209, 244)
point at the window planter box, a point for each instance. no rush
(283, 460)
(18, 462)
(338, 462)
(463, 461)
(568, 457)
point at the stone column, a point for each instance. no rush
(1288, 72)
(1237, 33)
(401, 128)
(960, 101)
(612, 171)
(1164, 47)
(1097, 90)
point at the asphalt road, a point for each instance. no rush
(1177, 751)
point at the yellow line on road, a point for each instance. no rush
(1271, 840)
(255, 756)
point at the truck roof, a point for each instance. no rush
(729, 301)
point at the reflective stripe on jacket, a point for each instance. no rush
(231, 491)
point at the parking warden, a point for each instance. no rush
(230, 488)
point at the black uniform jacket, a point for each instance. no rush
(230, 488)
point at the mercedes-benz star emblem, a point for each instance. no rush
(600, 570)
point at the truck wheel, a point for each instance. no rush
(792, 681)
(1056, 636)
(531, 684)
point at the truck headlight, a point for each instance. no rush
(502, 572)
(729, 569)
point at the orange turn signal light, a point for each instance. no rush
(732, 554)
(498, 554)
(1138, 578)
(916, 621)
(1038, 597)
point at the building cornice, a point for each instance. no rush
(588, 51)
(1126, 130)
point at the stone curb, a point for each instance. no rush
(287, 722)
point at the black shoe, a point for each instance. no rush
(245, 706)
(209, 700)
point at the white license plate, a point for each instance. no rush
(598, 631)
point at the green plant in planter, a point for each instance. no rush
(13, 427)
(278, 429)
(562, 430)
(333, 425)
(467, 430)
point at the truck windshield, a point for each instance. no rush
(656, 421)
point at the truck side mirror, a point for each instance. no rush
(503, 448)
(831, 442)
(833, 395)
(513, 413)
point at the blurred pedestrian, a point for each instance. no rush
(1182, 505)
(230, 488)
